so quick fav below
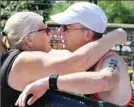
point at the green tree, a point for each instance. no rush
(59, 7)
(8, 7)
(118, 11)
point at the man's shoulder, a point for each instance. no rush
(111, 59)
(111, 55)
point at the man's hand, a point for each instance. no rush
(37, 89)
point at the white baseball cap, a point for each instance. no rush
(85, 13)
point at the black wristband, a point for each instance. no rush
(53, 81)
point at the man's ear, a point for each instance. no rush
(89, 36)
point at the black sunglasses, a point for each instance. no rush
(66, 29)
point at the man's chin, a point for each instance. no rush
(69, 49)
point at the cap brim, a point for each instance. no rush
(64, 18)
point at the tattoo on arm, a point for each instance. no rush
(113, 63)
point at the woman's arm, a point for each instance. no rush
(36, 65)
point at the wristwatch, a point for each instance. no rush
(53, 81)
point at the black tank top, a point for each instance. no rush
(8, 94)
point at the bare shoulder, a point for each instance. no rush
(31, 59)
(26, 56)
(29, 65)
(114, 60)
(36, 60)
(117, 80)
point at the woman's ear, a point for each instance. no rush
(28, 41)
(89, 36)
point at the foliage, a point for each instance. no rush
(9, 7)
(131, 73)
(59, 7)
(118, 11)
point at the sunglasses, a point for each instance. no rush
(46, 29)
(65, 28)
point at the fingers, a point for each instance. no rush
(20, 102)
(22, 98)
(17, 102)
(32, 100)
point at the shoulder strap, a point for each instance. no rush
(1, 55)
(8, 60)
(94, 66)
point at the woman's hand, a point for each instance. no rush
(37, 89)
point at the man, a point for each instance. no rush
(82, 23)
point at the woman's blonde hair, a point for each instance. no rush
(19, 25)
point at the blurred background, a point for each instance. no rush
(120, 13)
